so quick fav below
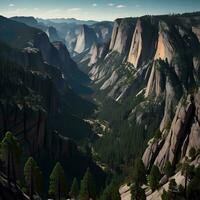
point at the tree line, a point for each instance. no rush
(189, 191)
(10, 152)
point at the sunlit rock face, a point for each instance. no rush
(85, 39)
(165, 48)
(122, 35)
(144, 39)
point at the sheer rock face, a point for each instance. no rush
(97, 52)
(143, 42)
(151, 152)
(182, 136)
(156, 82)
(85, 39)
(52, 34)
(165, 48)
(112, 80)
(179, 130)
(103, 31)
(194, 137)
(122, 35)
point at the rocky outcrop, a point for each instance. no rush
(97, 52)
(85, 39)
(152, 151)
(182, 136)
(143, 42)
(52, 34)
(156, 82)
(125, 192)
(110, 82)
(165, 48)
(122, 35)
(103, 31)
(179, 130)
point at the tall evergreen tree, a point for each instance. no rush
(10, 154)
(168, 169)
(33, 177)
(137, 193)
(154, 177)
(139, 175)
(74, 189)
(187, 171)
(111, 192)
(57, 185)
(88, 187)
(84, 191)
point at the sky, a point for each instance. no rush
(95, 9)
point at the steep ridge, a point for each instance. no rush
(83, 34)
(85, 39)
(32, 22)
(143, 42)
(55, 55)
(52, 34)
(122, 35)
(36, 100)
(141, 82)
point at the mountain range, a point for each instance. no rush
(101, 95)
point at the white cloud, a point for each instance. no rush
(36, 9)
(111, 4)
(94, 5)
(74, 9)
(11, 5)
(120, 6)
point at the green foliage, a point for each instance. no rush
(118, 147)
(165, 195)
(10, 155)
(10, 144)
(88, 187)
(111, 192)
(168, 169)
(157, 135)
(193, 190)
(33, 177)
(192, 153)
(137, 193)
(139, 175)
(154, 177)
(174, 192)
(74, 189)
(57, 185)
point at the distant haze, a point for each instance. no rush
(95, 10)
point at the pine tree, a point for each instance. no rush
(168, 169)
(173, 191)
(57, 185)
(139, 174)
(137, 193)
(84, 191)
(192, 153)
(10, 154)
(88, 187)
(154, 177)
(33, 177)
(111, 192)
(187, 172)
(74, 189)
(193, 188)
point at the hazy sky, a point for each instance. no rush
(97, 10)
